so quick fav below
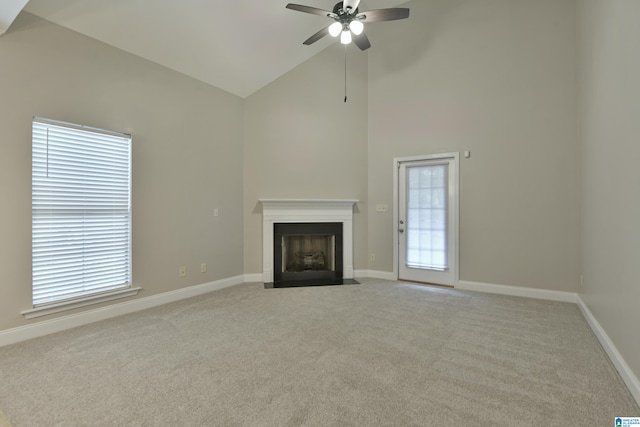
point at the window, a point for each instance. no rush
(427, 217)
(81, 211)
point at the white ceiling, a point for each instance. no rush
(238, 45)
(9, 9)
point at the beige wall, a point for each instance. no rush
(303, 142)
(496, 77)
(609, 128)
(187, 156)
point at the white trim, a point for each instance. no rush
(303, 211)
(621, 365)
(517, 291)
(80, 127)
(46, 310)
(255, 277)
(302, 203)
(456, 229)
(361, 273)
(375, 274)
(22, 333)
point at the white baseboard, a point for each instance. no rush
(250, 278)
(618, 361)
(23, 333)
(517, 291)
(490, 288)
(375, 274)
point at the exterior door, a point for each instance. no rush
(427, 219)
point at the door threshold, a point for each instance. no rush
(440, 285)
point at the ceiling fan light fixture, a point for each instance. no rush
(356, 27)
(335, 29)
(345, 37)
(346, 14)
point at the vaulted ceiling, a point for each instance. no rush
(239, 46)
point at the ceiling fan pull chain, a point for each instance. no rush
(345, 73)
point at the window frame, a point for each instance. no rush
(83, 209)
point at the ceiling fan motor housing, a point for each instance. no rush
(338, 9)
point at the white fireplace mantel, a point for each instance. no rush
(301, 211)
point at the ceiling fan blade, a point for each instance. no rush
(312, 10)
(317, 36)
(362, 41)
(384, 14)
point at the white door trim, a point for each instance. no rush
(396, 208)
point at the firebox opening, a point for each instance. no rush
(307, 251)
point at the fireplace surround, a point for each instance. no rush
(338, 212)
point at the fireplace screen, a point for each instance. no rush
(308, 253)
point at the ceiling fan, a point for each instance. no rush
(349, 21)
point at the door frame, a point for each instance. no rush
(454, 228)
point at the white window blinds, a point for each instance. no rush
(81, 211)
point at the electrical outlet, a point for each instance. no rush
(216, 212)
(372, 257)
(182, 271)
(203, 268)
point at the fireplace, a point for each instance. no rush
(317, 236)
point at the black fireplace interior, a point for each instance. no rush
(307, 254)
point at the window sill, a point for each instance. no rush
(70, 305)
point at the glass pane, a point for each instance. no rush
(427, 208)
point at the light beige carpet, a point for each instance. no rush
(4, 422)
(376, 354)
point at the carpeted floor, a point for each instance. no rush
(375, 354)
(3, 420)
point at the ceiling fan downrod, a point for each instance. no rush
(345, 73)
(349, 24)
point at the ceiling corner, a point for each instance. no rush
(9, 10)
